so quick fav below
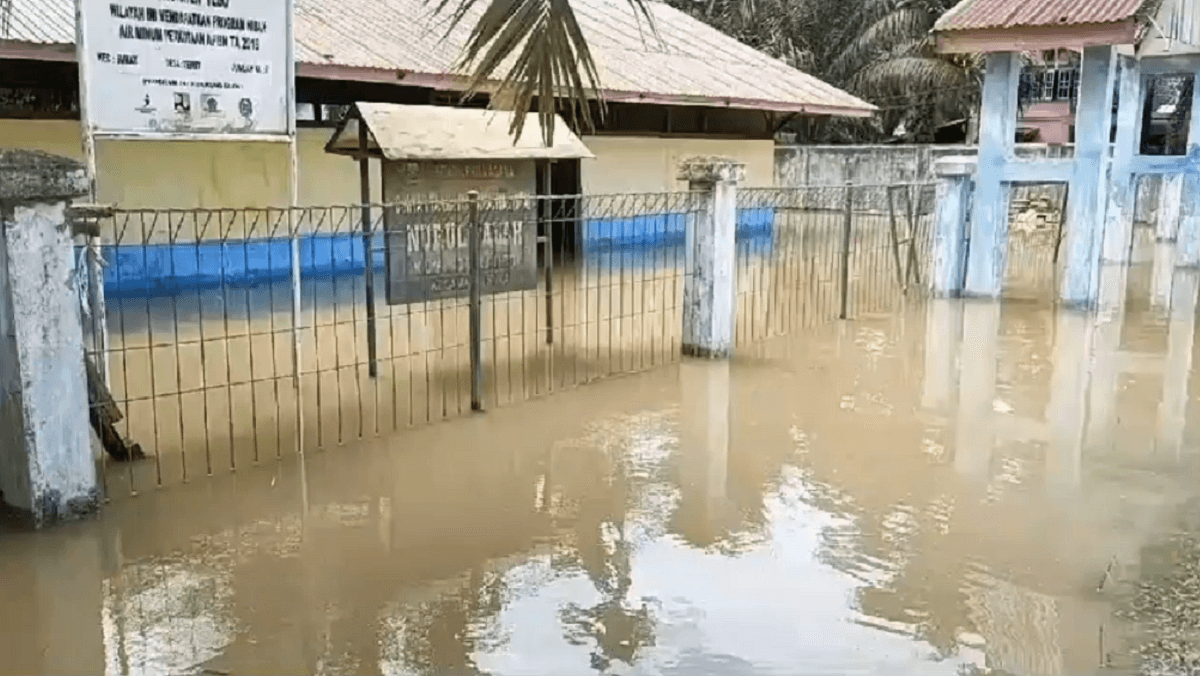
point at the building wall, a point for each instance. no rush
(649, 164)
(154, 174)
(1053, 120)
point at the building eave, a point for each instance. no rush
(446, 82)
(1037, 38)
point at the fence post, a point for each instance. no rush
(708, 290)
(847, 230)
(47, 467)
(475, 310)
(955, 182)
(368, 235)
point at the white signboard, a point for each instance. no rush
(187, 66)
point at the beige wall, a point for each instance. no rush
(153, 174)
(627, 164)
(148, 174)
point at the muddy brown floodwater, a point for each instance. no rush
(862, 498)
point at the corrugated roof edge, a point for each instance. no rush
(1146, 12)
(38, 51)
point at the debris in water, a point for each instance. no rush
(1107, 575)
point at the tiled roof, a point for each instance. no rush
(990, 14)
(685, 61)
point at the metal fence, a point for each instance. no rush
(812, 255)
(237, 336)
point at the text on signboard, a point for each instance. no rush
(191, 19)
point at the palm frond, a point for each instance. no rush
(896, 77)
(900, 26)
(541, 53)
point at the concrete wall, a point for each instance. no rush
(798, 166)
(640, 165)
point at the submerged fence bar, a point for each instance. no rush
(237, 335)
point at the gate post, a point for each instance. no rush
(709, 256)
(47, 464)
(955, 181)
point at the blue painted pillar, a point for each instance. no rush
(997, 134)
(953, 197)
(1188, 242)
(1089, 192)
(1118, 219)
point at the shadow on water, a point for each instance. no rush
(961, 488)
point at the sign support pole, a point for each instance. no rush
(97, 307)
(294, 234)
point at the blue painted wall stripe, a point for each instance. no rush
(167, 268)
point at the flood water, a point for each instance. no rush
(959, 488)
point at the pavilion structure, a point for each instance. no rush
(1123, 44)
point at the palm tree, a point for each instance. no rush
(877, 49)
(541, 50)
(885, 54)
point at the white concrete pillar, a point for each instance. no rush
(47, 467)
(1067, 410)
(955, 181)
(710, 254)
(1162, 274)
(1187, 243)
(1122, 194)
(988, 256)
(1188, 239)
(975, 435)
(1106, 370)
(1170, 208)
(943, 336)
(1177, 370)
(704, 448)
(1089, 185)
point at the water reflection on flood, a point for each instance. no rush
(963, 488)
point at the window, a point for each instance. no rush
(1066, 85)
(1167, 114)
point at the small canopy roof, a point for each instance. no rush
(413, 133)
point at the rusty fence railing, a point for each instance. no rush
(233, 337)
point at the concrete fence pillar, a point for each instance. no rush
(708, 290)
(47, 466)
(955, 181)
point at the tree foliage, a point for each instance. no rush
(878, 49)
